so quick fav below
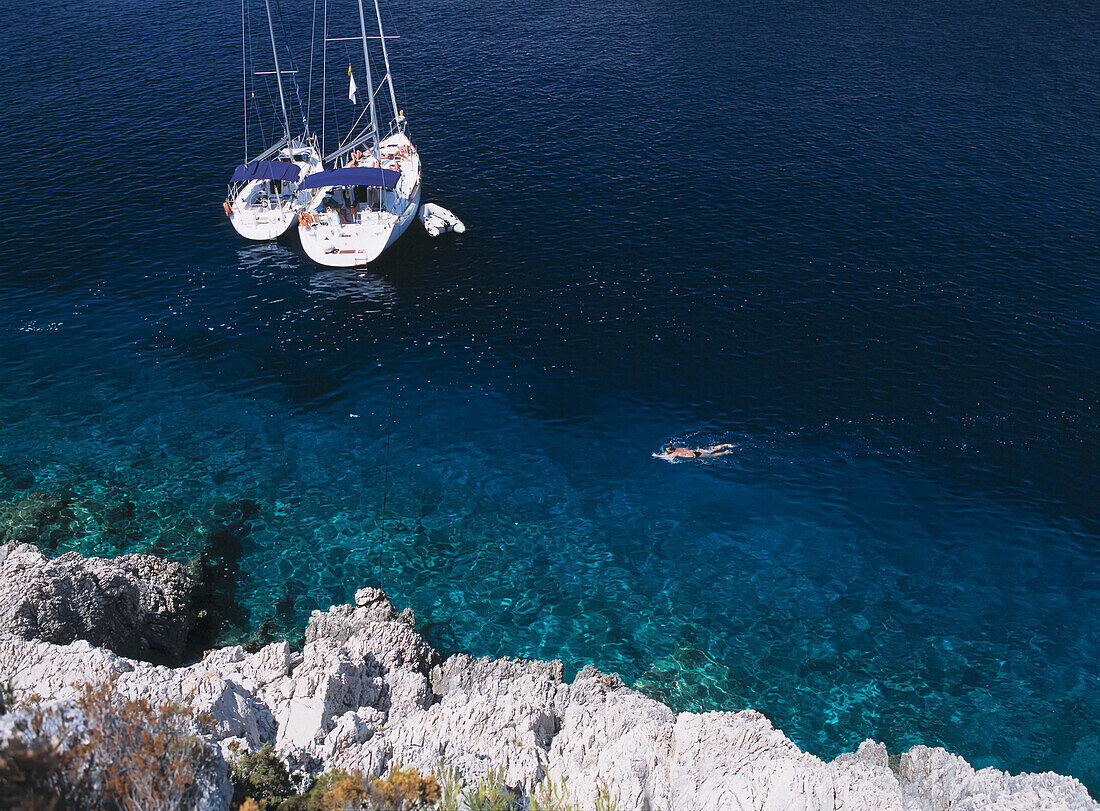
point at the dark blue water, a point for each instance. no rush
(859, 240)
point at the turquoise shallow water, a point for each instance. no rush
(874, 273)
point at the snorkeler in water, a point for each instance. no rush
(672, 452)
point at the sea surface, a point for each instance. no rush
(859, 240)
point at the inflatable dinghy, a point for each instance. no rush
(438, 220)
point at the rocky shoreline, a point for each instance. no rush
(367, 692)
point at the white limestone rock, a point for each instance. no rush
(864, 781)
(936, 780)
(367, 692)
(612, 735)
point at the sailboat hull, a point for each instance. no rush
(355, 245)
(258, 214)
(262, 225)
(344, 228)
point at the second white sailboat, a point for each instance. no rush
(266, 192)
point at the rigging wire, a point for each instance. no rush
(293, 72)
(391, 24)
(386, 480)
(312, 40)
(351, 130)
(252, 96)
(336, 114)
(401, 87)
(386, 60)
(366, 107)
(274, 110)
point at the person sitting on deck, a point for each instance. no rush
(673, 452)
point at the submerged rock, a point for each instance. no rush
(137, 605)
(688, 678)
(217, 571)
(15, 477)
(43, 518)
(368, 692)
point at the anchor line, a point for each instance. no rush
(386, 480)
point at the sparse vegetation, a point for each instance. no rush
(551, 796)
(405, 789)
(490, 794)
(338, 789)
(450, 784)
(28, 776)
(605, 799)
(261, 783)
(105, 751)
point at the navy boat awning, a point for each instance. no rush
(266, 170)
(352, 176)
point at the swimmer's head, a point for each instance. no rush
(670, 448)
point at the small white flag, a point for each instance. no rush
(351, 87)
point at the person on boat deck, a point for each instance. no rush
(340, 198)
(673, 452)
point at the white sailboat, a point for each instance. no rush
(365, 204)
(265, 193)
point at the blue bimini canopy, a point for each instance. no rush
(352, 176)
(266, 170)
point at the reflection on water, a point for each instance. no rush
(263, 258)
(355, 285)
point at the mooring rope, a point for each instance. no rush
(386, 481)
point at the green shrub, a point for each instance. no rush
(261, 776)
(550, 796)
(450, 787)
(490, 794)
(605, 800)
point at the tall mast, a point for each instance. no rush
(278, 75)
(244, 75)
(370, 82)
(324, 75)
(386, 58)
